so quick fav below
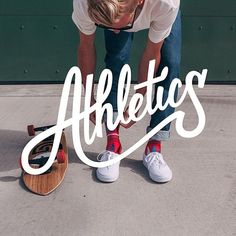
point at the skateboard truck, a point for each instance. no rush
(60, 158)
(32, 130)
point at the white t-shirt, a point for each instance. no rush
(156, 15)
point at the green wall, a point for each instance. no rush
(38, 41)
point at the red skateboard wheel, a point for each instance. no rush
(31, 130)
(61, 157)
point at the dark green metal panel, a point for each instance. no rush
(45, 7)
(208, 8)
(33, 7)
(36, 48)
(210, 42)
(38, 41)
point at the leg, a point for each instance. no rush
(170, 56)
(118, 51)
(118, 48)
(153, 160)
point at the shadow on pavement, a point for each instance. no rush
(11, 147)
(13, 142)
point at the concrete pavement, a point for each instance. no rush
(200, 200)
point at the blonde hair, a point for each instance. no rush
(107, 12)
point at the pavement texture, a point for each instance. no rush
(200, 200)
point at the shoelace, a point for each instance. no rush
(154, 158)
(104, 156)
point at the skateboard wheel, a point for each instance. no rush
(61, 157)
(31, 130)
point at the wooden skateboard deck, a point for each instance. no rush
(47, 182)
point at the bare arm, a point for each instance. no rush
(87, 63)
(87, 58)
(152, 51)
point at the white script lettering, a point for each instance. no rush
(103, 90)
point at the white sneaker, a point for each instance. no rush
(109, 173)
(158, 170)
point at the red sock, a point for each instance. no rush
(153, 146)
(113, 144)
(113, 141)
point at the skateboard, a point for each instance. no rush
(47, 182)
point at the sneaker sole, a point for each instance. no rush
(105, 179)
(160, 180)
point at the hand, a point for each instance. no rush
(126, 116)
(92, 116)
